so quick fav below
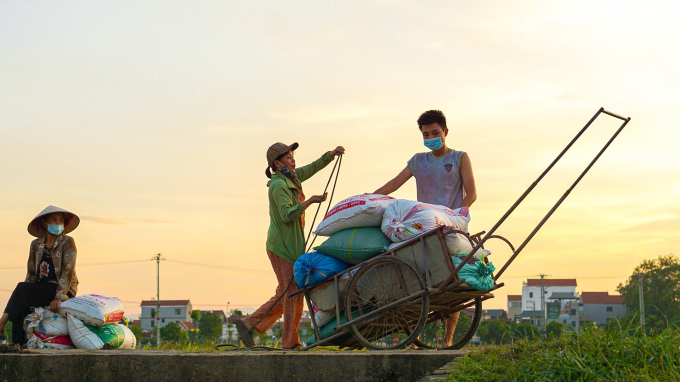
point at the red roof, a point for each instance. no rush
(600, 298)
(551, 282)
(189, 325)
(514, 297)
(469, 311)
(166, 303)
(136, 323)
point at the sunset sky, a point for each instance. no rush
(150, 120)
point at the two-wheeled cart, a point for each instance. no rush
(407, 294)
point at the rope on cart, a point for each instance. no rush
(337, 165)
(330, 201)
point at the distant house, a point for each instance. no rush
(531, 291)
(170, 311)
(600, 307)
(514, 306)
(495, 314)
(186, 325)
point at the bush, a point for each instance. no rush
(625, 354)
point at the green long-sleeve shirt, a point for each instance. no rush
(286, 236)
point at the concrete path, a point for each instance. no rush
(148, 365)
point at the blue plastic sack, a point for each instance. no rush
(314, 267)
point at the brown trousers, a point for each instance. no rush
(290, 308)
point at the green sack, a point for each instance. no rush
(355, 245)
(476, 274)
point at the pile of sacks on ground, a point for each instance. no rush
(84, 322)
(364, 226)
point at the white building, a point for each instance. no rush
(531, 291)
(170, 311)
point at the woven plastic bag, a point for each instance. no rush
(314, 267)
(355, 212)
(476, 273)
(406, 219)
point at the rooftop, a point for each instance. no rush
(562, 296)
(532, 313)
(166, 303)
(514, 297)
(601, 298)
(551, 282)
(494, 312)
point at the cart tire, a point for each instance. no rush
(431, 337)
(376, 284)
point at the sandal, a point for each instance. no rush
(244, 334)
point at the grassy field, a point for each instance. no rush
(596, 355)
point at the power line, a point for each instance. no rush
(575, 277)
(221, 267)
(87, 265)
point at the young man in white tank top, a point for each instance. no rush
(443, 176)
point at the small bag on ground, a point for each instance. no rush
(94, 309)
(45, 322)
(42, 341)
(355, 245)
(86, 336)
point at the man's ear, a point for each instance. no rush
(446, 132)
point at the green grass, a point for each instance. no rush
(596, 355)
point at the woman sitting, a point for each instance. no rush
(51, 276)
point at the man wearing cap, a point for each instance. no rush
(51, 276)
(285, 240)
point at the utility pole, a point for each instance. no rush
(158, 259)
(228, 324)
(642, 300)
(543, 309)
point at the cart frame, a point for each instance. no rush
(448, 294)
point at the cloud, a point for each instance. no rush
(154, 221)
(322, 113)
(656, 226)
(234, 129)
(103, 220)
(114, 221)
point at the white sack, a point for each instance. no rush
(355, 212)
(94, 309)
(322, 318)
(456, 246)
(86, 336)
(44, 321)
(41, 341)
(406, 219)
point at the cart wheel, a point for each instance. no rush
(377, 284)
(433, 334)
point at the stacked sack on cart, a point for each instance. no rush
(84, 322)
(364, 226)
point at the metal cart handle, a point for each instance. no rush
(532, 186)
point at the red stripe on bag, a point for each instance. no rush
(344, 206)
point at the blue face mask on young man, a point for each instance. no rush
(434, 144)
(55, 229)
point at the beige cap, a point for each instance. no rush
(71, 221)
(278, 149)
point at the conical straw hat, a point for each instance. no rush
(71, 221)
